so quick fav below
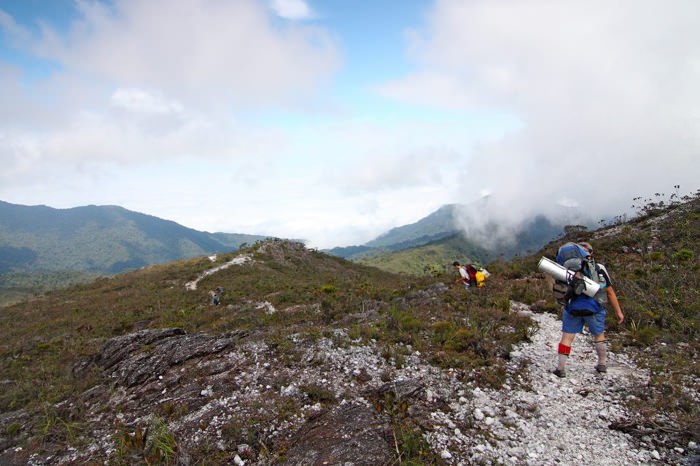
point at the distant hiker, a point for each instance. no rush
(216, 296)
(480, 277)
(471, 271)
(466, 278)
(582, 309)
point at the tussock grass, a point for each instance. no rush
(284, 290)
(288, 291)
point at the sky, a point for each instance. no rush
(333, 121)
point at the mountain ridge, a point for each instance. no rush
(74, 238)
(57, 247)
(436, 240)
(313, 359)
(43, 248)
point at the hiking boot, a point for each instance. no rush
(601, 368)
(559, 373)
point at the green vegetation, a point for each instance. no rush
(655, 269)
(20, 286)
(410, 446)
(433, 259)
(286, 292)
(43, 248)
(150, 444)
(41, 339)
(311, 293)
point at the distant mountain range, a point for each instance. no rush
(56, 247)
(101, 240)
(437, 239)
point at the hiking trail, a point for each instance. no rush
(535, 418)
(238, 260)
(553, 420)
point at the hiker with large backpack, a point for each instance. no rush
(471, 276)
(463, 275)
(581, 309)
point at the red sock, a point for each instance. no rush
(563, 349)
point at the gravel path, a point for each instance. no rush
(536, 418)
(551, 420)
(238, 260)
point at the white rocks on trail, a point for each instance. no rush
(238, 260)
(550, 420)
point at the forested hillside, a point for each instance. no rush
(42, 248)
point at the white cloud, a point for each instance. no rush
(392, 166)
(607, 94)
(567, 202)
(430, 88)
(198, 50)
(141, 101)
(292, 9)
(14, 32)
(137, 81)
(164, 107)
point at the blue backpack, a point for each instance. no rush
(574, 258)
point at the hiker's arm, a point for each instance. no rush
(612, 298)
(462, 275)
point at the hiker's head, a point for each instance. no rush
(455, 264)
(587, 247)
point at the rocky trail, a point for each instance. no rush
(555, 421)
(535, 419)
(236, 399)
(238, 260)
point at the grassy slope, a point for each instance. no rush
(42, 248)
(653, 260)
(430, 259)
(41, 340)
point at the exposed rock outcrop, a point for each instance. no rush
(235, 399)
(349, 434)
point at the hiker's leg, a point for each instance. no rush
(601, 349)
(564, 349)
(570, 326)
(567, 338)
(597, 326)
